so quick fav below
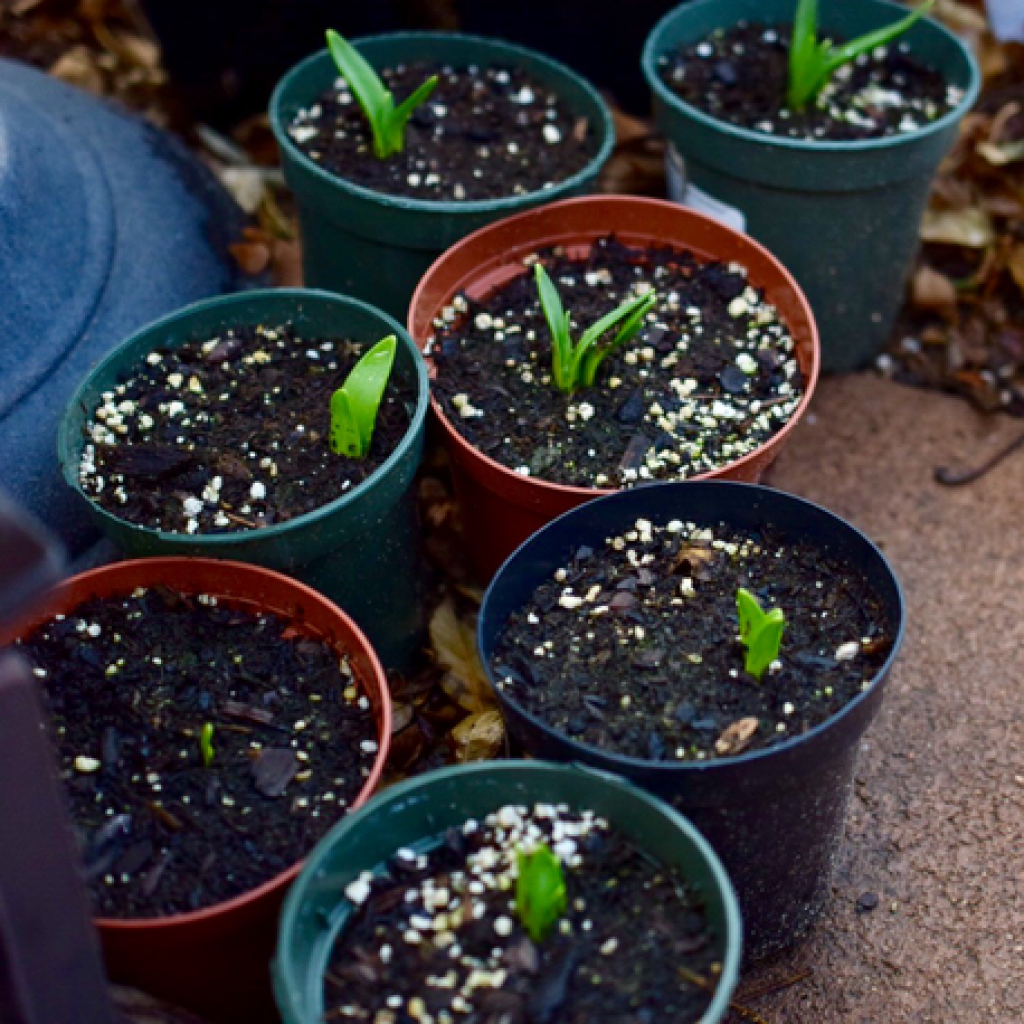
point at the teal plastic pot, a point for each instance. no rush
(362, 549)
(842, 216)
(416, 813)
(377, 246)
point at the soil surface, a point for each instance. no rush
(742, 76)
(926, 924)
(485, 133)
(711, 376)
(165, 826)
(635, 648)
(615, 955)
(231, 433)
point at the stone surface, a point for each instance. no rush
(938, 816)
(105, 224)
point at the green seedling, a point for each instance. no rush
(206, 744)
(575, 365)
(354, 405)
(812, 62)
(760, 632)
(541, 894)
(387, 121)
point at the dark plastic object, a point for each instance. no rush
(105, 224)
(215, 960)
(361, 550)
(418, 811)
(775, 816)
(842, 216)
(597, 40)
(226, 58)
(377, 246)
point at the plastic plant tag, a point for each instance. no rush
(682, 191)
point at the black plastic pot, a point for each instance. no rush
(774, 816)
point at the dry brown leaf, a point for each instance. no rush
(932, 290)
(736, 737)
(1015, 264)
(1001, 153)
(454, 643)
(970, 227)
(479, 737)
(78, 67)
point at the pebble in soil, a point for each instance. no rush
(741, 76)
(131, 682)
(710, 378)
(230, 433)
(634, 648)
(435, 935)
(485, 133)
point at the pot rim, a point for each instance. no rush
(490, 51)
(406, 790)
(654, 48)
(632, 765)
(510, 477)
(106, 578)
(67, 443)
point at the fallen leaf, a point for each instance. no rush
(971, 227)
(932, 290)
(479, 737)
(736, 737)
(454, 643)
(78, 67)
(1015, 264)
(1001, 153)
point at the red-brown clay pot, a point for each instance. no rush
(500, 508)
(216, 961)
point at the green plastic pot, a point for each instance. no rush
(842, 216)
(416, 813)
(362, 549)
(377, 246)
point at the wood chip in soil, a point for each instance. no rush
(130, 683)
(485, 133)
(634, 647)
(741, 76)
(710, 378)
(230, 433)
(450, 913)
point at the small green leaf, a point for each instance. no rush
(760, 632)
(405, 110)
(206, 744)
(354, 405)
(541, 893)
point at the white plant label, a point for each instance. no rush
(684, 192)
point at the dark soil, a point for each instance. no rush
(231, 433)
(615, 956)
(616, 653)
(130, 684)
(711, 377)
(741, 76)
(483, 134)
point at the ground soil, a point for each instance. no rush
(934, 827)
(629, 928)
(486, 134)
(163, 829)
(741, 76)
(711, 376)
(661, 676)
(250, 409)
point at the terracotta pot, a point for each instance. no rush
(215, 961)
(500, 508)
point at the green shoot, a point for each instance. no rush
(354, 405)
(206, 744)
(813, 63)
(760, 632)
(575, 365)
(387, 121)
(541, 895)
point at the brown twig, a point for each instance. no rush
(957, 477)
(709, 986)
(769, 988)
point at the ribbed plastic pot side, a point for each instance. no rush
(375, 245)
(361, 549)
(214, 961)
(416, 812)
(774, 816)
(501, 508)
